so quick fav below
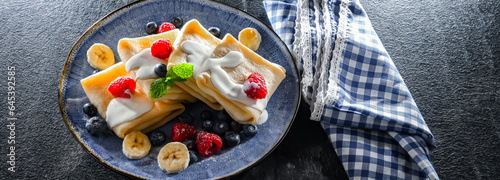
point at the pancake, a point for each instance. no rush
(96, 89)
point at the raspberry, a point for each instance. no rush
(165, 27)
(120, 85)
(182, 132)
(207, 143)
(255, 86)
(161, 48)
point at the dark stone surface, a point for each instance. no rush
(447, 52)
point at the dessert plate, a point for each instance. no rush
(129, 21)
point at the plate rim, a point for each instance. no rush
(64, 76)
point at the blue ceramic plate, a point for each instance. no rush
(129, 21)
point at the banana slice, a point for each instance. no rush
(100, 56)
(250, 37)
(136, 145)
(173, 157)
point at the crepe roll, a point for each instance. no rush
(136, 53)
(127, 114)
(193, 31)
(232, 60)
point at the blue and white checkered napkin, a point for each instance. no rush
(354, 89)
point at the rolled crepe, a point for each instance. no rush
(96, 88)
(194, 31)
(252, 62)
(128, 47)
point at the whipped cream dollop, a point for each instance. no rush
(262, 118)
(201, 57)
(121, 110)
(145, 62)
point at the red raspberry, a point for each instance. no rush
(255, 86)
(161, 48)
(165, 27)
(207, 143)
(120, 85)
(182, 132)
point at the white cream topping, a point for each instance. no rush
(262, 118)
(145, 62)
(200, 56)
(122, 110)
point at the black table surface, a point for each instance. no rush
(447, 52)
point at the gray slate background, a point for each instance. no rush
(447, 52)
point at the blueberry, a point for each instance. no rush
(223, 116)
(250, 130)
(214, 31)
(96, 125)
(232, 138)
(190, 144)
(177, 22)
(221, 127)
(161, 70)
(186, 118)
(151, 28)
(208, 125)
(237, 127)
(90, 109)
(192, 157)
(206, 115)
(157, 137)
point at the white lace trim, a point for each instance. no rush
(296, 35)
(302, 45)
(337, 54)
(323, 64)
(330, 95)
(320, 45)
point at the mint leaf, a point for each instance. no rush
(170, 82)
(180, 72)
(158, 88)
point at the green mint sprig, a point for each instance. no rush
(178, 73)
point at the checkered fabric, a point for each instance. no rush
(354, 89)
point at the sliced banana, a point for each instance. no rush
(136, 145)
(173, 157)
(250, 37)
(100, 56)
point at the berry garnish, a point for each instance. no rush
(236, 127)
(90, 109)
(206, 115)
(207, 143)
(122, 87)
(208, 125)
(178, 22)
(232, 138)
(214, 31)
(96, 125)
(192, 157)
(164, 27)
(161, 48)
(190, 144)
(255, 86)
(151, 28)
(250, 130)
(157, 137)
(221, 127)
(182, 132)
(186, 118)
(161, 70)
(223, 116)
